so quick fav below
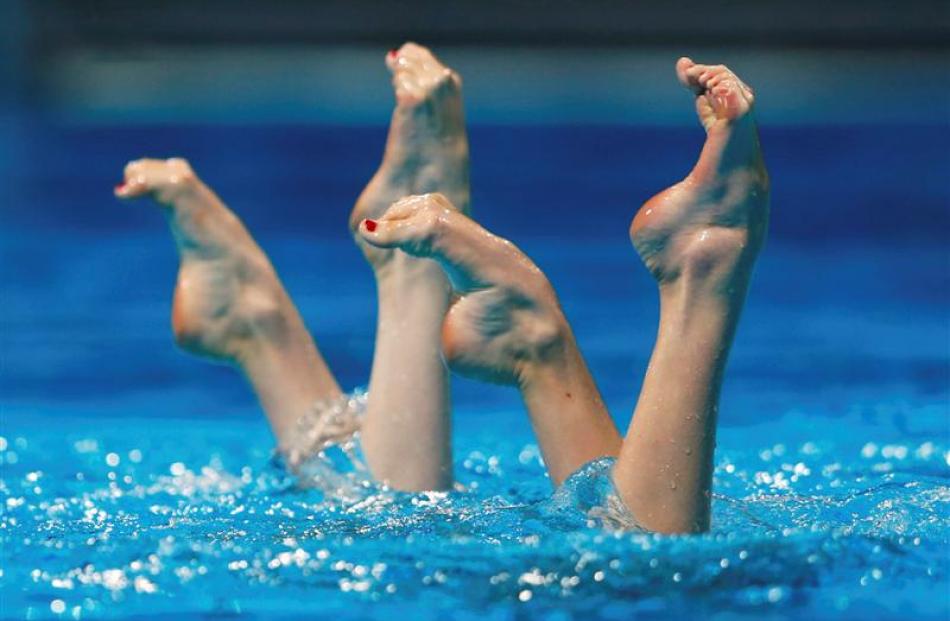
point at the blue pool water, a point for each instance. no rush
(137, 482)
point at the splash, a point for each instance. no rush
(132, 520)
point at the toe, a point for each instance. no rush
(715, 79)
(682, 66)
(405, 56)
(708, 75)
(416, 53)
(421, 60)
(406, 65)
(410, 57)
(153, 176)
(135, 178)
(417, 73)
(410, 223)
(723, 75)
(688, 73)
(728, 100)
(723, 90)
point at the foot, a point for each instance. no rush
(427, 148)
(506, 318)
(228, 298)
(505, 326)
(710, 226)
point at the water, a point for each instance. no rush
(137, 482)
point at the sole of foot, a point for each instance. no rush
(227, 296)
(710, 226)
(505, 316)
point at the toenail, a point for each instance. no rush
(393, 53)
(120, 186)
(370, 225)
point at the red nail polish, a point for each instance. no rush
(119, 186)
(393, 52)
(370, 225)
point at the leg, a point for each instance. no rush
(406, 434)
(506, 326)
(699, 239)
(229, 303)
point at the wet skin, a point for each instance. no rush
(229, 304)
(505, 326)
(698, 238)
(406, 434)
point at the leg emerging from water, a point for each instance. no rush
(699, 239)
(406, 434)
(506, 326)
(229, 304)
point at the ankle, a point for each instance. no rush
(548, 357)
(264, 321)
(700, 312)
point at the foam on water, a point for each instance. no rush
(133, 519)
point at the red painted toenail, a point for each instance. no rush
(393, 53)
(120, 186)
(370, 225)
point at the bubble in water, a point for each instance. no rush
(144, 585)
(778, 524)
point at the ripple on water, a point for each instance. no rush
(99, 523)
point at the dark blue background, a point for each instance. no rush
(878, 183)
(849, 303)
